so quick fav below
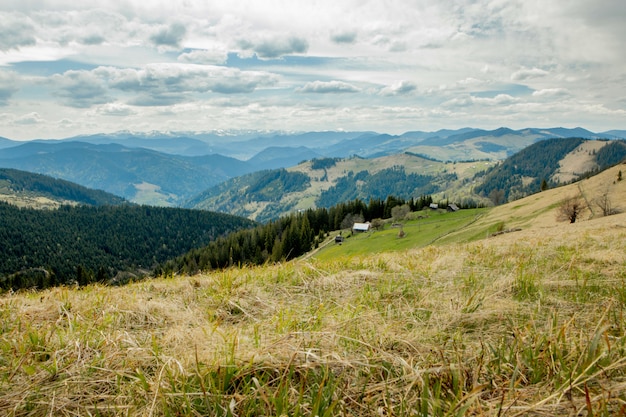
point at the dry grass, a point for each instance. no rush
(528, 323)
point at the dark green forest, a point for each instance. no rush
(611, 154)
(83, 244)
(18, 182)
(272, 185)
(391, 181)
(324, 163)
(286, 238)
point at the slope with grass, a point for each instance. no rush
(524, 323)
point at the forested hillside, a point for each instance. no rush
(140, 175)
(83, 244)
(13, 181)
(523, 173)
(325, 182)
(268, 186)
(391, 181)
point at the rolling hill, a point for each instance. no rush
(331, 181)
(26, 189)
(556, 161)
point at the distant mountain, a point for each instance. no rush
(36, 190)
(335, 180)
(139, 175)
(236, 144)
(614, 134)
(167, 168)
(175, 145)
(7, 143)
(281, 156)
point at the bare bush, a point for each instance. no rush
(570, 209)
(605, 204)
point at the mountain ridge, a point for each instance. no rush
(169, 168)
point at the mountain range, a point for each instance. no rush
(174, 169)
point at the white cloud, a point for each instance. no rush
(528, 73)
(275, 46)
(8, 86)
(470, 100)
(81, 89)
(171, 35)
(347, 37)
(32, 118)
(214, 56)
(399, 88)
(158, 79)
(325, 87)
(115, 109)
(249, 63)
(16, 31)
(551, 92)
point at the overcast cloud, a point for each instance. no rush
(70, 68)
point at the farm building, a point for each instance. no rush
(361, 227)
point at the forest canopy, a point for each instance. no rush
(83, 244)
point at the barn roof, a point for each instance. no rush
(361, 227)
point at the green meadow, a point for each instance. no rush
(425, 227)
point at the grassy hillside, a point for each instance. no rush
(524, 323)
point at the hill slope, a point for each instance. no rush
(555, 161)
(23, 188)
(525, 323)
(332, 181)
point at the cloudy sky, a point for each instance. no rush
(69, 67)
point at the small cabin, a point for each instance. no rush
(453, 207)
(361, 227)
(339, 239)
(434, 206)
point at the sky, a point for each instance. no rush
(391, 66)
